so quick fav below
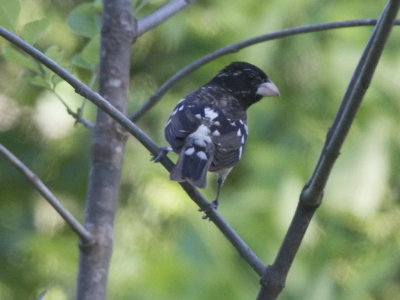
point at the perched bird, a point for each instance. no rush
(208, 128)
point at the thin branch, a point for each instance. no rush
(161, 15)
(42, 294)
(144, 139)
(273, 281)
(76, 115)
(84, 234)
(245, 252)
(157, 95)
(351, 101)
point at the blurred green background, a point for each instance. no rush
(163, 249)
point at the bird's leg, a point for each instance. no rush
(214, 204)
(163, 153)
(220, 183)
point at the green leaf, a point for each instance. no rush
(17, 57)
(9, 12)
(85, 19)
(91, 51)
(38, 81)
(54, 53)
(89, 56)
(77, 60)
(55, 79)
(33, 31)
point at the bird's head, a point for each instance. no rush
(246, 82)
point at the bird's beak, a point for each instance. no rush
(268, 89)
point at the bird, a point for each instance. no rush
(208, 127)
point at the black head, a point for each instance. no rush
(246, 82)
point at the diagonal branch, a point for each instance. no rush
(274, 278)
(161, 15)
(85, 91)
(351, 101)
(157, 95)
(81, 231)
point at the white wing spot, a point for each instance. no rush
(201, 136)
(189, 151)
(200, 143)
(182, 107)
(243, 140)
(216, 133)
(209, 113)
(180, 101)
(198, 116)
(240, 152)
(217, 123)
(239, 132)
(202, 155)
(246, 128)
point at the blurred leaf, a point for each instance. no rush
(77, 60)
(9, 12)
(33, 31)
(38, 81)
(154, 232)
(55, 79)
(85, 19)
(54, 53)
(98, 4)
(89, 57)
(17, 57)
(57, 55)
(91, 51)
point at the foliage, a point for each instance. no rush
(163, 249)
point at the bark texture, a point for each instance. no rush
(118, 28)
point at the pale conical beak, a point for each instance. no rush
(268, 89)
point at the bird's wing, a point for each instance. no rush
(181, 123)
(229, 139)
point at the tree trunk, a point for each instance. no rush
(118, 28)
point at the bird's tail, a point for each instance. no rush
(193, 163)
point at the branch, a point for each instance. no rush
(76, 115)
(161, 15)
(274, 278)
(350, 103)
(156, 97)
(145, 140)
(84, 234)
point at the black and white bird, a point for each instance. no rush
(208, 128)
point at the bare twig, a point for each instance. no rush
(157, 95)
(144, 139)
(161, 15)
(274, 278)
(82, 232)
(76, 115)
(42, 294)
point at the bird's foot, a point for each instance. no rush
(162, 154)
(210, 206)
